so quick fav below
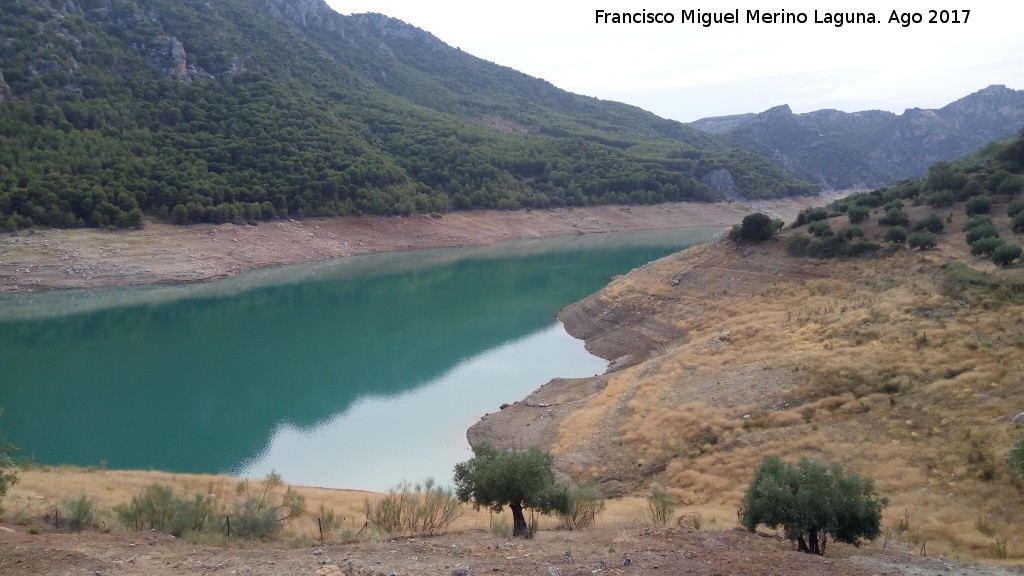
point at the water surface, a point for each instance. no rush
(357, 373)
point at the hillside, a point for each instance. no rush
(842, 150)
(901, 364)
(249, 110)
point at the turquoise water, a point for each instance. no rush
(357, 373)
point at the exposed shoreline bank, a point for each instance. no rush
(53, 259)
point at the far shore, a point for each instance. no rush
(44, 259)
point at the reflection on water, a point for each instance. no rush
(201, 378)
(423, 430)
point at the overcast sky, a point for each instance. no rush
(688, 71)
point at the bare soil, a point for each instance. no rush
(46, 259)
(637, 550)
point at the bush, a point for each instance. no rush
(857, 213)
(820, 228)
(932, 223)
(8, 477)
(1015, 458)
(851, 232)
(661, 504)
(922, 240)
(985, 246)
(79, 513)
(585, 503)
(1005, 254)
(941, 198)
(981, 231)
(894, 217)
(1017, 225)
(158, 509)
(975, 221)
(811, 499)
(252, 519)
(896, 235)
(424, 509)
(757, 227)
(1015, 207)
(808, 215)
(978, 205)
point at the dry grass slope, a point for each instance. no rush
(891, 366)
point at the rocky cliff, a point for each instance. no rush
(867, 149)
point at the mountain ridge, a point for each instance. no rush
(870, 148)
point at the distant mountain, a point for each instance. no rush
(843, 150)
(242, 110)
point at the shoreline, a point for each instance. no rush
(39, 260)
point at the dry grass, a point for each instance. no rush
(879, 364)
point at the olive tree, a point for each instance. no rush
(518, 479)
(1015, 458)
(812, 500)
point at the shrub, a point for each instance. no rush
(811, 499)
(1015, 458)
(661, 504)
(922, 240)
(808, 215)
(985, 246)
(857, 213)
(158, 509)
(975, 221)
(851, 232)
(981, 231)
(79, 513)
(1017, 225)
(1015, 207)
(757, 227)
(1011, 185)
(896, 235)
(894, 217)
(978, 205)
(797, 244)
(932, 223)
(585, 503)
(252, 519)
(1005, 254)
(941, 198)
(424, 509)
(8, 477)
(820, 228)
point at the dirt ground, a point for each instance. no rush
(635, 550)
(48, 259)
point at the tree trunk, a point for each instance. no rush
(813, 542)
(801, 544)
(519, 527)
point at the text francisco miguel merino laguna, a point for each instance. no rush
(783, 17)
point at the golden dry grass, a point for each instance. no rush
(879, 364)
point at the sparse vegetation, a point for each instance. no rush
(421, 509)
(661, 504)
(585, 503)
(8, 476)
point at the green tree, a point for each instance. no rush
(812, 500)
(978, 205)
(517, 478)
(857, 213)
(757, 227)
(1004, 254)
(896, 234)
(922, 240)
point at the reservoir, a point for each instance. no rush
(356, 373)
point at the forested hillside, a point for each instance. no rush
(246, 110)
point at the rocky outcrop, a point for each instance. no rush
(841, 150)
(5, 89)
(167, 54)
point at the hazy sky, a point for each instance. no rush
(688, 71)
